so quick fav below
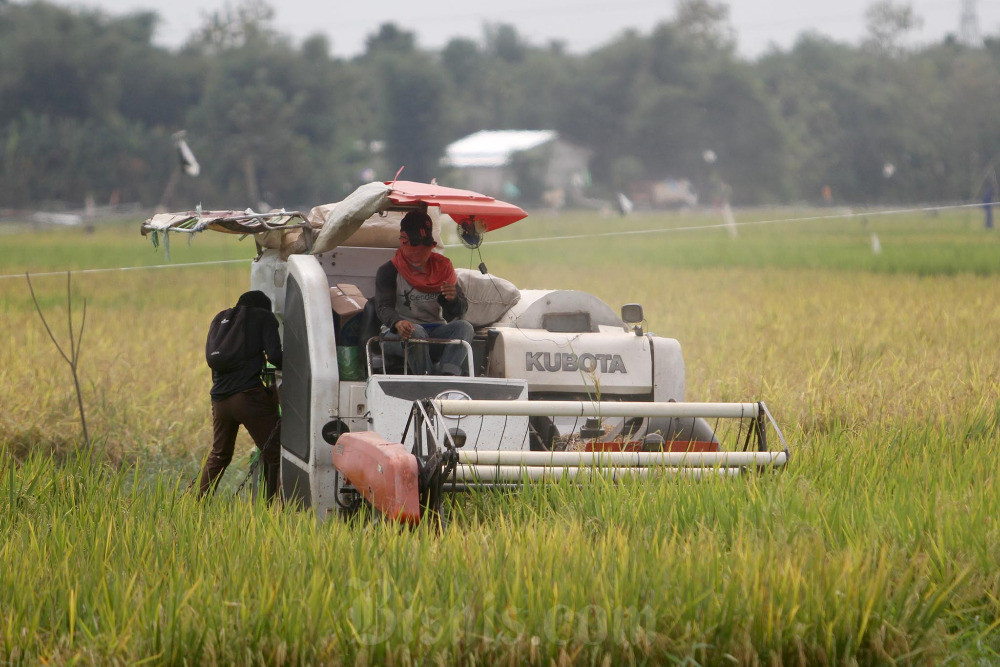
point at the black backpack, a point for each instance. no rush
(225, 348)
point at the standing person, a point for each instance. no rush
(417, 297)
(238, 341)
(988, 202)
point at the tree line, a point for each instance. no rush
(89, 104)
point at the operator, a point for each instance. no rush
(417, 296)
(238, 394)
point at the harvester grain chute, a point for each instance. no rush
(559, 384)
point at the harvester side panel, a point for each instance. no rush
(310, 380)
(668, 369)
(296, 377)
(268, 274)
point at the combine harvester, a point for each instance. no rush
(560, 385)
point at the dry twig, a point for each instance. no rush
(73, 358)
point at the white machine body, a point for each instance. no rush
(551, 371)
(551, 345)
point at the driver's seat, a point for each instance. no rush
(371, 327)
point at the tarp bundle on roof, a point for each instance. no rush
(354, 221)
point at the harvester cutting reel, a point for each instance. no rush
(407, 484)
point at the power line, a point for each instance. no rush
(727, 225)
(568, 237)
(124, 268)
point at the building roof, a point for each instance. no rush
(493, 148)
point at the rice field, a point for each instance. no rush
(879, 543)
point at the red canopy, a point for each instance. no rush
(461, 205)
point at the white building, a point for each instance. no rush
(518, 164)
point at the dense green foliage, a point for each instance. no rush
(88, 104)
(855, 554)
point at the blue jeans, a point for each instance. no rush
(450, 357)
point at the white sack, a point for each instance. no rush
(342, 219)
(489, 297)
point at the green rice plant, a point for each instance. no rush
(876, 544)
(773, 567)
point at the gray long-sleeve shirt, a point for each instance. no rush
(396, 299)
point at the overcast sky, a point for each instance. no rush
(581, 24)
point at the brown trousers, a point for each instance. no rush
(257, 410)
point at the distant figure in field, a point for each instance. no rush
(238, 341)
(988, 195)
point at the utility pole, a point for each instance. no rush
(970, 24)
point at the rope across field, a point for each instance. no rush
(840, 216)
